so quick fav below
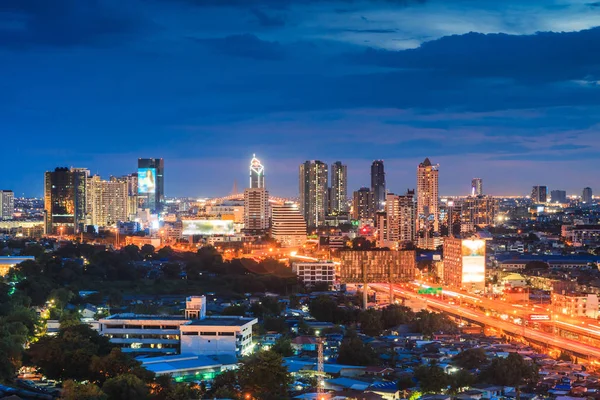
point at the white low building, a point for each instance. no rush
(311, 273)
(193, 333)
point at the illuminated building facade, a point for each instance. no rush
(378, 184)
(477, 187)
(288, 226)
(65, 200)
(428, 211)
(132, 193)
(256, 210)
(314, 187)
(7, 204)
(377, 266)
(478, 211)
(151, 184)
(257, 174)
(338, 199)
(396, 227)
(539, 194)
(108, 201)
(464, 263)
(363, 204)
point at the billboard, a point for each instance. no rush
(207, 227)
(473, 257)
(146, 180)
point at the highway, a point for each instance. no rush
(507, 326)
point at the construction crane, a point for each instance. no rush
(320, 370)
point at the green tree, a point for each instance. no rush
(324, 309)
(126, 387)
(354, 351)
(225, 385)
(432, 378)
(171, 270)
(370, 322)
(405, 382)
(82, 391)
(283, 347)
(264, 376)
(460, 380)
(394, 315)
(238, 310)
(429, 323)
(13, 336)
(511, 371)
(470, 358)
(146, 250)
(117, 363)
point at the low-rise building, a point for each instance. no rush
(576, 304)
(311, 273)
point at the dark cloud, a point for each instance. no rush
(245, 46)
(372, 30)
(267, 20)
(62, 23)
(542, 57)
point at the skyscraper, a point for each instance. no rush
(257, 173)
(132, 193)
(313, 179)
(478, 211)
(339, 188)
(539, 194)
(378, 184)
(363, 204)
(476, 187)
(558, 196)
(289, 226)
(586, 196)
(428, 212)
(65, 200)
(7, 204)
(108, 201)
(151, 184)
(397, 228)
(256, 210)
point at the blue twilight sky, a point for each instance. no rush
(507, 90)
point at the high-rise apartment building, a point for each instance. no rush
(539, 194)
(428, 211)
(132, 193)
(151, 184)
(586, 195)
(257, 174)
(108, 201)
(256, 210)
(65, 200)
(476, 187)
(396, 227)
(558, 196)
(464, 263)
(7, 204)
(478, 211)
(313, 179)
(363, 204)
(288, 226)
(338, 200)
(378, 184)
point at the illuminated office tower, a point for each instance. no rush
(539, 194)
(428, 211)
(378, 184)
(256, 210)
(288, 225)
(108, 201)
(398, 229)
(339, 188)
(477, 187)
(65, 200)
(151, 184)
(257, 174)
(313, 179)
(7, 204)
(132, 193)
(363, 204)
(586, 196)
(478, 211)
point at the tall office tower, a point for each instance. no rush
(478, 211)
(428, 210)
(256, 210)
(378, 184)
(399, 227)
(132, 192)
(7, 204)
(539, 194)
(288, 225)
(65, 205)
(586, 196)
(558, 196)
(338, 201)
(313, 192)
(257, 174)
(108, 201)
(363, 204)
(476, 187)
(151, 184)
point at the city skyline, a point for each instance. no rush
(365, 82)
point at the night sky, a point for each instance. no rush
(504, 90)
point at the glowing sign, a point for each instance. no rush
(207, 227)
(430, 290)
(539, 317)
(146, 180)
(473, 257)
